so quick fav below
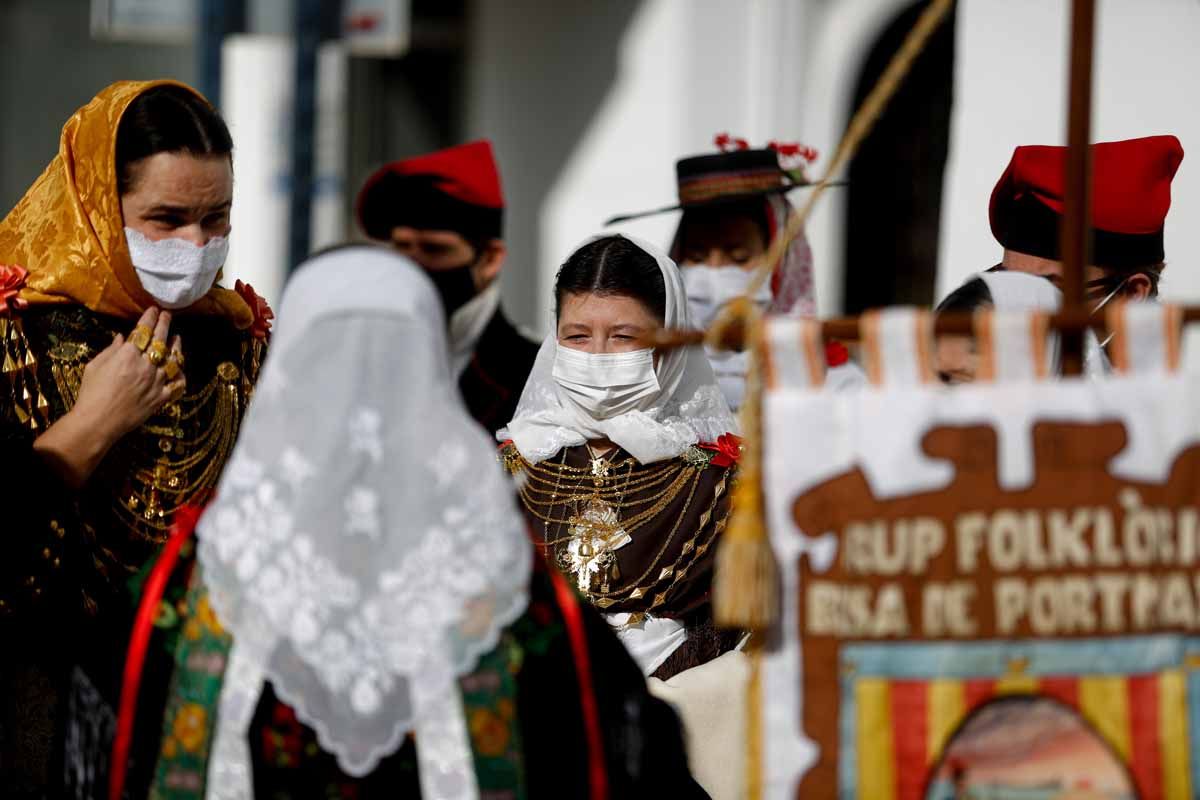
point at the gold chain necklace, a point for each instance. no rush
(574, 497)
(657, 572)
(542, 489)
(177, 455)
(656, 473)
(597, 517)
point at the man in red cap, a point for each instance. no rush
(445, 211)
(1131, 192)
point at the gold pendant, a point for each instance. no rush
(595, 535)
(600, 468)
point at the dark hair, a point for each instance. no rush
(970, 296)
(168, 119)
(754, 210)
(1115, 276)
(613, 266)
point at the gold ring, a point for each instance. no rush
(140, 338)
(171, 368)
(157, 352)
(177, 355)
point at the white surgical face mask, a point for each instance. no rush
(708, 290)
(176, 272)
(606, 385)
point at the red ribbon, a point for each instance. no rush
(139, 641)
(569, 605)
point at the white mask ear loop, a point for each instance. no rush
(1101, 305)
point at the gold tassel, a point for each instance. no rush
(746, 583)
(754, 743)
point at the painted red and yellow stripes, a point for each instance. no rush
(1145, 752)
(876, 752)
(1104, 702)
(910, 708)
(1174, 735)
(904, 726)
(947, 708)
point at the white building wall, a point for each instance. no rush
(680, 72)
(1010, 89)
(688, 69)
(844, 33)
(585, 130)
(257, 91)
(537, 73)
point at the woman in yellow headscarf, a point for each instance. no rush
(125, 373)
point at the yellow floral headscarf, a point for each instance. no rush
(67, 230)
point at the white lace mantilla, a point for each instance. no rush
(364, 548)
(339, 647)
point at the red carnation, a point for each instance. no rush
(727, 449)
(792, 155)
(836, 354)
(262, 312)
(12, 280)
(726, 143)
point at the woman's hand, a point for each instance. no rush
(122, 387)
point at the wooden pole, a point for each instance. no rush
(1067, 321)
(1077, 212)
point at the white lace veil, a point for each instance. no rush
(364, 548)
(689, 408)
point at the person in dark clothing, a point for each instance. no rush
(445, 211)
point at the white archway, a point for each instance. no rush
(844, 36)
(767, 69)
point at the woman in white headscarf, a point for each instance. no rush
(367, 580)
(627, 454)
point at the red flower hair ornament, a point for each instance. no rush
(12, 280)
(263, 314)
(727, 450)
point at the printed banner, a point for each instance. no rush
(990, 591)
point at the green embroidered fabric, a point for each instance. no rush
(202, 647)
(201, 650)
